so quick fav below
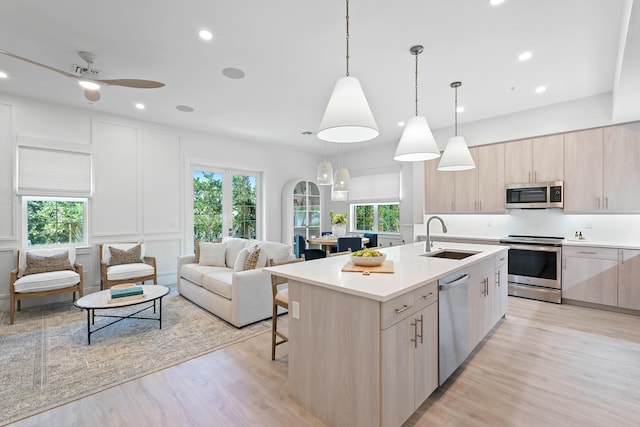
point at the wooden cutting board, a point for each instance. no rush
(385, 267)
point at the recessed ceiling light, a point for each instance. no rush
(233, 73)
(205, 35)
(525, 56)
(400, 124)
(140, 106)
(3, 75)
(496, 2)
(184, 108)
(540, 89)
(460, 109)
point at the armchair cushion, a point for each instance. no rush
(128, 256)
(44, 264)
(106, 253)
(212, 254)
(128, 271)
(22, 259)
(46, 281)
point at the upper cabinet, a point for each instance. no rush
(534, 160)
(478, 190)
(602, 175)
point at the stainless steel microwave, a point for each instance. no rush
(539, 195)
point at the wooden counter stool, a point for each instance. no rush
(280, 299)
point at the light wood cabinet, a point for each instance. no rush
(602, 173)
(482, 300)
(501, 288)
(534, 160)
(410, 355)
(590, 275)
(479, 190)
(629, 279)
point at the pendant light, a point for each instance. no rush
(324, 175)
(341, 178)
(417, 142)
(348, 117)
(456, 156)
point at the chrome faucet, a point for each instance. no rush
(444, 230)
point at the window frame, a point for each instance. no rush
(375, 205)
(85, 221)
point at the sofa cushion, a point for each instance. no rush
(195, 272)
(219, 283)
(233, 246)
(212, 254)
(46, 281)
(22, 262)
(128, 271)
(44, 264)
(279, 252)
(128, 256)
(251, 251)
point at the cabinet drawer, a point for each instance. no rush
(425, 295)
(500, 259)
(590, 252)
(481, 268)
(397, 309)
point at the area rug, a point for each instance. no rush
(45, 360)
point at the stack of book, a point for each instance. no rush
(126, 293)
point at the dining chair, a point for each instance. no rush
(349, 243)
(373, 240)
(302, 251)
(280, 299)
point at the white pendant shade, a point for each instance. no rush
(325, 174)
(341, 180)
(348, 117)
(417, 142)
(456, 156)
(339, 195)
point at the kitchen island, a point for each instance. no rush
(363, 349)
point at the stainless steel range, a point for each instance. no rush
(534, 267)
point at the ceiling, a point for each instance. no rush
(292, 52)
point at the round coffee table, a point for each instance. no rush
(102, 301)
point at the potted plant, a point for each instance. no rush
(338, 223)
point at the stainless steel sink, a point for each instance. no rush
(450, 254)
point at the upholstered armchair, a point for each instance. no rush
(125, 263)
(44, 272)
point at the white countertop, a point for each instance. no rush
(410, 270)
(601, 244)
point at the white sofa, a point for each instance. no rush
(219, 283)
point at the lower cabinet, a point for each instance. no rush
(410, 356)
(606, 276)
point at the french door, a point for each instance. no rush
(225, 203)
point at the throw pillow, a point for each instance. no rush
(251, 263)
(44, 264)
(212, 254)
(130, 256)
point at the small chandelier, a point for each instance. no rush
(348, 117)
(417, 142)
(456, 156)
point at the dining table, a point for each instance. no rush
(328, 241)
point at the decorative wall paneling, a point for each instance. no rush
(7, 263)
(7, 192)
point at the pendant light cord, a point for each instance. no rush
(416, 53)
(347, 17)
(455, 86)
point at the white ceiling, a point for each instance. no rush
(293, 51)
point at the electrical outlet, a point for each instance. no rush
(295, 307)
(588, 225)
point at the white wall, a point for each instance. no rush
(141, 180)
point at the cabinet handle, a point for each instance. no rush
(452, 207)
(486, 283)
(621, 256)
(414, 340)
(588, 252)
(480, 205)
(529, 176)
(598, 202)
(404, 308)
(498, 277)
(606, 203)
(425, 297)
(421, 327)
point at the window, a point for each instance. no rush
(376, 217)
(54, 221)
(224, 201)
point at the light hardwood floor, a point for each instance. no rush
(543, 365)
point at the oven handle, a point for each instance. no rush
(538, 248)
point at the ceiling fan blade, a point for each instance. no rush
(64, 73)
(135, 83)
(92, 95)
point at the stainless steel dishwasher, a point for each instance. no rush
(454, 322)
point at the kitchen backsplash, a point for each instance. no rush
(545, 222)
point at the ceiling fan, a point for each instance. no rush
(87, 76)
